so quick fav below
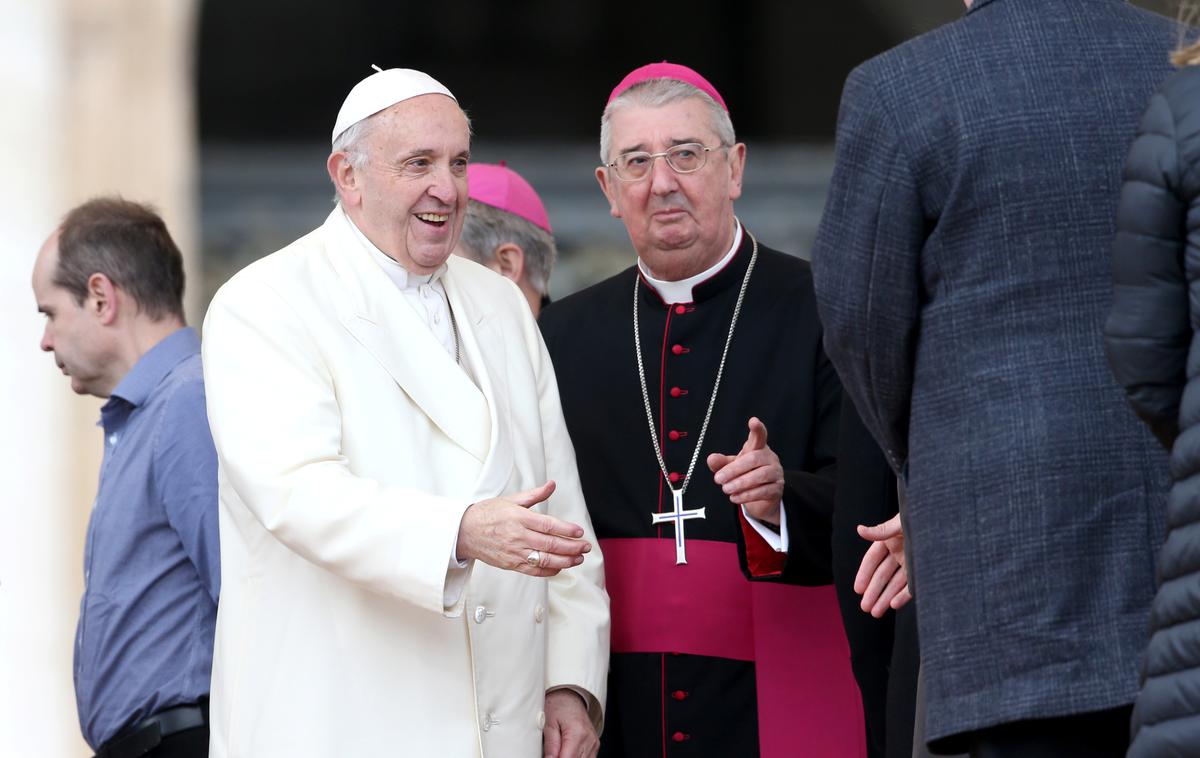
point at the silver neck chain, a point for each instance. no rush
(712, 401)
(454, 327)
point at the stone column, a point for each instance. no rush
(98, 98)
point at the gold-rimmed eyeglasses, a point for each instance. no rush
(683, 159)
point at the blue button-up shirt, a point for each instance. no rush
(152, 559)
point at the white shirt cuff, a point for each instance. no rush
(456, 578)
(778, 542)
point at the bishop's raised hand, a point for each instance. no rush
(753, 477)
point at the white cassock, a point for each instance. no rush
(350, 443)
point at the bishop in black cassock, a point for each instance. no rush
(705, 662)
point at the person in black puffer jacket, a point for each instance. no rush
(1154, 352)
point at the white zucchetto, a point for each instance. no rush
(382, 90)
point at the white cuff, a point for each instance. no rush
(456, 578)
(778, 542)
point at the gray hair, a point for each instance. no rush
(351, 141)
(655, 93)
(487, 228)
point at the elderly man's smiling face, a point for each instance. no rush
(680, 224)
(410, 197)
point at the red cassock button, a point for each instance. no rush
(676, 392)
(677, 349)
(673, 435)
(680, 310)
(679, 695)
(674, 476)
(679, 736)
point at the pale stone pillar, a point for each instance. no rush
(97, 98)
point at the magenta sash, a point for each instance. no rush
(808, 702)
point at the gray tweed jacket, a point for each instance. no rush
(963, 275)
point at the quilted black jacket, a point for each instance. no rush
(1150, 338)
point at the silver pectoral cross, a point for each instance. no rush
(678, 515)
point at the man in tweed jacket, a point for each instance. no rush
(963, 275)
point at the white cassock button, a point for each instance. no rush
(541, 719)
(489, 721)
(539, 613)
(480, 614)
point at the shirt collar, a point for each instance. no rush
(152, 367)
(400, 276)
(681, 291)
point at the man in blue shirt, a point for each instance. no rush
(110, 283)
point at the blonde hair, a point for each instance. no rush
(1188, 52)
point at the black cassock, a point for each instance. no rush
(884, 651)
(687, 639)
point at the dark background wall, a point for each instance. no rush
(779, 64)
(534, 75)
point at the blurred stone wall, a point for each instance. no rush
(98, 99)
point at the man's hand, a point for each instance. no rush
(752, 478)
(503, 532)
(569, 732)
(882, 579)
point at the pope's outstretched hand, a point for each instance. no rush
(503, 532)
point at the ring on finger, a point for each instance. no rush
(534, 558)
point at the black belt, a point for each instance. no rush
(148, 733)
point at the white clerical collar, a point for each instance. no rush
(681, 291)
(400, 276)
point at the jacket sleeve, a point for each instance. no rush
(809, 494)
(808, 498)
(277, 426)
(1148, 331)
(578, 632)
(866, 266)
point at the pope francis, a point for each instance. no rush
(408, 565)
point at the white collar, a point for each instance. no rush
(400, 276)
(681, 291)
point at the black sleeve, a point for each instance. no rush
(866, 494)
(808, 493)
(1148, 331)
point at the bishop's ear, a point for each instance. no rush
(344, 177)
(603, 177)
(511, 260)
(737, 167)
